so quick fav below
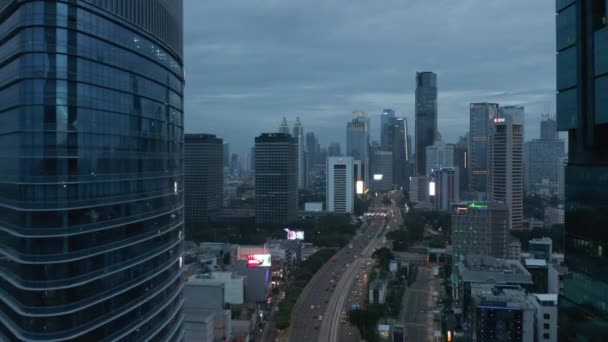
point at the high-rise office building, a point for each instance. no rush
(276, 179)
(480, 228)
(386, 129)
(461, 162)
(505, 161)
(480, 116)
(419, 190)
(92, 174)
(252, 159)
(313, 149)
(582, 111)
(548, 129)
(334, 149)
(426, 117)
(561, 176)
(235, 165)
(397, 132)
(439, 155)
(203, 179)
(340, 185)
(382, 170)
(357, 141)
(298, 134)
(541, 156)
(284, 127)
(446, 188)
(226, 155)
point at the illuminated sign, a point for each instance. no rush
(377, 177)
(478, 206)
(431, 188)
(359, 187)
(499, 120)
(294, 234)
(258, 260)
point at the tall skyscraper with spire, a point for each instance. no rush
(426, 116)
(284, 128)
(298, 134)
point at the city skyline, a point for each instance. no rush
(251, 74)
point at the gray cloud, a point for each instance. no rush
(249, 63)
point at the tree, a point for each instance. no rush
(384, 257)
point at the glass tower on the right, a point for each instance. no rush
(582, 111)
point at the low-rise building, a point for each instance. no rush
(378, 291)
(546, 316)
(501, 314)
(234, 284)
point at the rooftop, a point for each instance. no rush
(509, 296)
(486, 269)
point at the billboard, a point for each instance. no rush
(359, 187)
(294, 234)
(378, 177)
(258, 260)
(431, 188)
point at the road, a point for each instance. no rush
(418, 306)
(310, 311)
(351, 289)
(337, 304)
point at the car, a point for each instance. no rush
(320, 318)
(276, 308)
(312, 307)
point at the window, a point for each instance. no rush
(546, 326)
(546, 336)
(547, 316)
(566, 27)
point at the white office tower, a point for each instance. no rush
(340, 185)
(447, 186)
(439, 155)
(505, 161)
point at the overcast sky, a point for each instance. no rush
(251, 62)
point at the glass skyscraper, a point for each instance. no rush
(91, 170)
(426, 116)
(582, 111)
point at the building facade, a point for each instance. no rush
(480, 116)
(203, 179)
(426, 116)
(461, 162)
(276, 179)
(386, 129)
(298, 134)
(480, 228)
(447, 189)
(505, 161)
(541, 155)
(382, 170)
(92, 175)
(357, 141)
(582, 111)
(340, 184)
(439, 155)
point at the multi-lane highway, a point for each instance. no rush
(337, 305)
(310, 311)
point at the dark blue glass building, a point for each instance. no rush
(582, 111)
(91, 208)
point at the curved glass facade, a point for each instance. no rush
(91, 180)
